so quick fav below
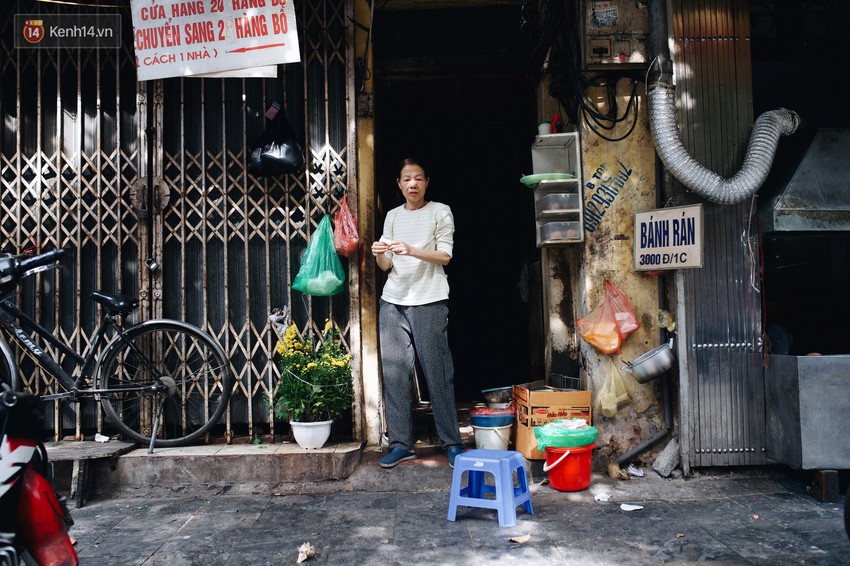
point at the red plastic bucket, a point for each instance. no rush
(569, 468)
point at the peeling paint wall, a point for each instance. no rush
(560, 268)
(619, 179)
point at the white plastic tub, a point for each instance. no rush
(492, 437)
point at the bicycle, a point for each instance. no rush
(162, 382)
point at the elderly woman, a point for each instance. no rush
(416, 244)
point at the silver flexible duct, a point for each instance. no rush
(769, 127)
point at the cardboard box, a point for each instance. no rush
(537, 404)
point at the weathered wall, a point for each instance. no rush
(619, 179)
(370, 412)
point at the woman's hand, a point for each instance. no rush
(380, 248)
(405, 249)
(401, 248)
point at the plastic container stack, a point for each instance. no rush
(492, 424)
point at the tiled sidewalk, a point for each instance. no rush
(398, 516)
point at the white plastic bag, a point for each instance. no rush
(613, 394)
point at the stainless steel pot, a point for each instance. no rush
(651, 364)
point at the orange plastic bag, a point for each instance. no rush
(346, 239)
(609, 324)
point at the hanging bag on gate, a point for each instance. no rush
(321, 272)
(278, 151)
(345, 230)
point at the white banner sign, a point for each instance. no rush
(668, 238)
(177, 38)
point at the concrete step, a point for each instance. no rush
(213, 468)
(274, 466)
(271, 469)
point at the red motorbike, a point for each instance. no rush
(33, 521)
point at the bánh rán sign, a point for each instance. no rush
(176, 38)
(668, 238)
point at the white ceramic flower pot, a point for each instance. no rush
(311, 435)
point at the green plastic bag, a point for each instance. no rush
(564, 433)
(321, 271)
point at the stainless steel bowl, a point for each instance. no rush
(651, 364)
(498, 394)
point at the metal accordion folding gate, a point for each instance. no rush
(145, 183)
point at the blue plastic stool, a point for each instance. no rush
(500, 463)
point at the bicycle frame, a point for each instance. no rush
(194, 401)
(16, 325)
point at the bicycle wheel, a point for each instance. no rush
(185, 373)
(6, 377)
(8, 374)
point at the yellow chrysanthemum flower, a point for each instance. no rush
(314, 368)
(290, 337)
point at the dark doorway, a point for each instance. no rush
(797, 45)
(806, 278)
(451, 90)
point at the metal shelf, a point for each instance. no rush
(558, 203)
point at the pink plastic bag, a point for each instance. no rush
(626, 319)
(346, 239)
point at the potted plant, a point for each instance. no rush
(315, 383)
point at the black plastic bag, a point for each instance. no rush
(278, 152)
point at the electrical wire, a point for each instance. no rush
(657, 59)
(558, 52)
(595, 119)
(542, 18)
(755, 270)
(362, 71)
(610, 116)
(367, 71)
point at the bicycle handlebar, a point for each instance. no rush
(29, 263)
(15, 268)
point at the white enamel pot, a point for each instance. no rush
(650, 365)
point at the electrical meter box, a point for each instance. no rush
(558, 190)
(616, 35)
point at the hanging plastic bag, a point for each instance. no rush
(626, 319)
(277, 152)
(613, 395)
(321, 272)
(345, 230)
(599, 329)
(610, 323)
